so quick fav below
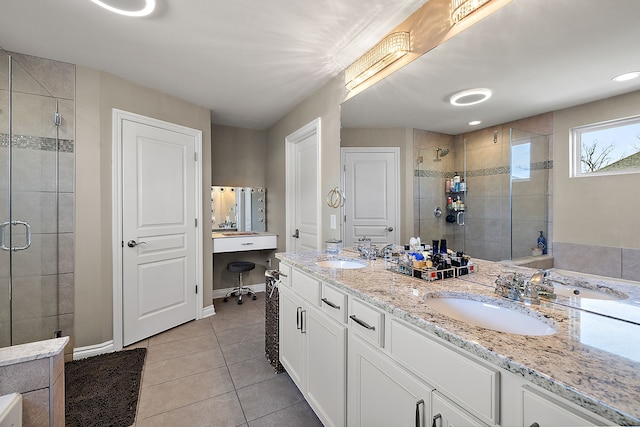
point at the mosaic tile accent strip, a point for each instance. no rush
(38, 143)
(500, 170)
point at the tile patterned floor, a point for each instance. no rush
(213, 372)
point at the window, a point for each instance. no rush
(606, 148)
(521, 162)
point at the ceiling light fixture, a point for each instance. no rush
(460, 9)
(470, 97)
(626, 76)
(386, 52)
(149, 7)
(474, 122)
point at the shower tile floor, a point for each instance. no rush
(213, 372)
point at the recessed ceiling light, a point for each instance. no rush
(470, 97)
(149, 7)
(626, 76)
(475, 122)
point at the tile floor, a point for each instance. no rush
(213, 372)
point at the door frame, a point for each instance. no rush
(311, 128)
(343, 178)
(118, 116)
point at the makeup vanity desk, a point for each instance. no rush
(240, 241)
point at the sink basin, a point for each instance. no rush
(492, 314)
(579, 292)
(341, 263)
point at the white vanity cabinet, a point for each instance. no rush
(313, 348)
(447, 414)
(380, 393)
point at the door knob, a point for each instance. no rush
(389, 228)
(296, 234)
(133, 243)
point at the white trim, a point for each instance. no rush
(311, 128)
(116, 213)
(93, 350)
(220, 293)
(208, 311)
(396, 152)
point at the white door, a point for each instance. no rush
(303, 183)
(159, 236)
(372, 205)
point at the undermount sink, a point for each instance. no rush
(579, 292)
(341, 263)
(491, 314)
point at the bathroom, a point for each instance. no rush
(591, 234)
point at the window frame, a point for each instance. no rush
(575, 138)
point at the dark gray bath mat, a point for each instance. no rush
(103, 390)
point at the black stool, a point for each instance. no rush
(240, 267)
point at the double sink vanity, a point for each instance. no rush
(370, 347)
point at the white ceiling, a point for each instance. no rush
(535, 55)
(249, 61)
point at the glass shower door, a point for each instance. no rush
(29, 267)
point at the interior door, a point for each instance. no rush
(303, 188)
(158, 229)
(371, 182)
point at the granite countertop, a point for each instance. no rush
(592, 360)
(221, 234)
(32, 351)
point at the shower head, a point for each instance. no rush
(441, 152)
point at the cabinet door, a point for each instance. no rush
(291, 338)
(381, 394)
(326, 359)
(547, 412)
(446, 414)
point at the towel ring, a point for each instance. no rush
(335, 198)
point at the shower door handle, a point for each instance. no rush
(27, 244)
(2, 244)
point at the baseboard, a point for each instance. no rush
(208, 311)
(220, 293)
(93, 350)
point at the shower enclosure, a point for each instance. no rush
(507, 197)
(36, 198)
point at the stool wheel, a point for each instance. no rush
(255, 297)
(226, 299)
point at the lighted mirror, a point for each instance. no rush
(238, 208)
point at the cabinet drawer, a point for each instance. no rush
(471, 384)
(247, 243)
(285, 274)
(334, 303)
(306, 286)
(547, 411)
(367, 322)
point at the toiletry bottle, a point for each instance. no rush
(542, 243)
(463, 185)
(456, 182)
(447, 185)
(449, 203)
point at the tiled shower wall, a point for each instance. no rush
(488, 222)
(42, 195)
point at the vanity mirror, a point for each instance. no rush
(537, 58)
(238, 208)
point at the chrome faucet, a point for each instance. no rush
(515, 287)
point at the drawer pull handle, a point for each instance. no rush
(246, 243)
(303, 329)
(361, 323)
(283, 275)
(330, 304)
(298, 320)
(435, 417)
(418, 403)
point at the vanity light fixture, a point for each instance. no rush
(470, 97)
(626, 76)
(386, 52)
(460, 9)
(148, 8)
(474, 122)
